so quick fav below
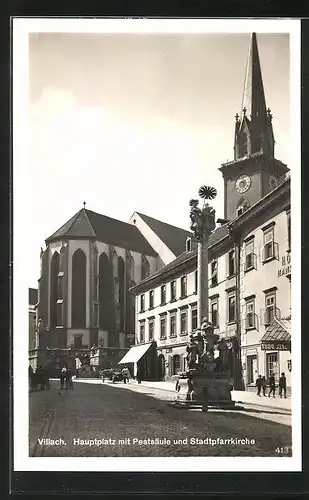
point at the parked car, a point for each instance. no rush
(110, 374)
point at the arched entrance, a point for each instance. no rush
(161, 367)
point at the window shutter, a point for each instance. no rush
(276, 250)
(170, 365)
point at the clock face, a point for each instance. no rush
(243, 183)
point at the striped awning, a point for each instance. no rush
(277, 336)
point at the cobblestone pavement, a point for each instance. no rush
(281, 416)
(92, 419)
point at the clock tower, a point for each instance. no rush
(254, 172)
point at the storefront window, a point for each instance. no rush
(251, 369)
(272, 364)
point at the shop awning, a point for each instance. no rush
(277, 336)
(135, 354)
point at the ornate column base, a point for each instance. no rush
(206, 389)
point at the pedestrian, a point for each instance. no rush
(46, 377)
(63, 375)
(258, 385)
(282, 385)
(69, 378)
(138, 375)
(272, 386)
(264, 385)
(124, 375)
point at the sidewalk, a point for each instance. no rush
(245, 397)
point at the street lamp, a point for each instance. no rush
(202, 224)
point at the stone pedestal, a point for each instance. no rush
(206, 389)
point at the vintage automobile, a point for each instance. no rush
(110, 374)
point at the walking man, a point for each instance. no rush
(264, 385)
(272, 386)
(282, 385)
(258, 385)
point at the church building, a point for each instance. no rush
(87, 270)
(249, 260)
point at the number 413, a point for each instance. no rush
(283, 450)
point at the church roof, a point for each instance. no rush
(86, 224)
(173, 237)
(220, 233)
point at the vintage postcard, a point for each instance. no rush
(156, 173)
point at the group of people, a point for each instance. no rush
(39, 377)
(261, 385)
(66, 375)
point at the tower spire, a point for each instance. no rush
(254, 132)
(253, 96)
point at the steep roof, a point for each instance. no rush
(86, 224)
(173, 237)
(33, 296)
(253, 95)
(215, 237)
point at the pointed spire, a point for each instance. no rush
(253, 96)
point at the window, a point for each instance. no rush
(173, 332)
(194, 319)
(249, 255)
(59, 312)
(268, 249)
(96, 314)
(214, 312)
(240, 210)
(142, 304)
(78, 341)
(176, 364)
(250, 314)
(195, 282)
(183, 286)
(188, 244)
(60, 285)
(151, 329)
(163, 294)
(288, 215)
(214, 273)
(251, 369)
(173, 290)
(151, 298)
(270, 307)
(163, 327)
(231, 263)
(272, 364)
(142, 332)
(183, 322)
(231, 307)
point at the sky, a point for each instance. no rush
(138, 122)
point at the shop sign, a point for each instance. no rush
(276, 346)
(285, 266)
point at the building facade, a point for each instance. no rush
(32, 299)
(87, 270)
(249, 260)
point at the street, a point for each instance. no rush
(96, 419)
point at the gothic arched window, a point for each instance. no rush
(79, 289)
(107, 316)
(54, 270)
(121, 276)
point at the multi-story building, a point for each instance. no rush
(249, 260)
